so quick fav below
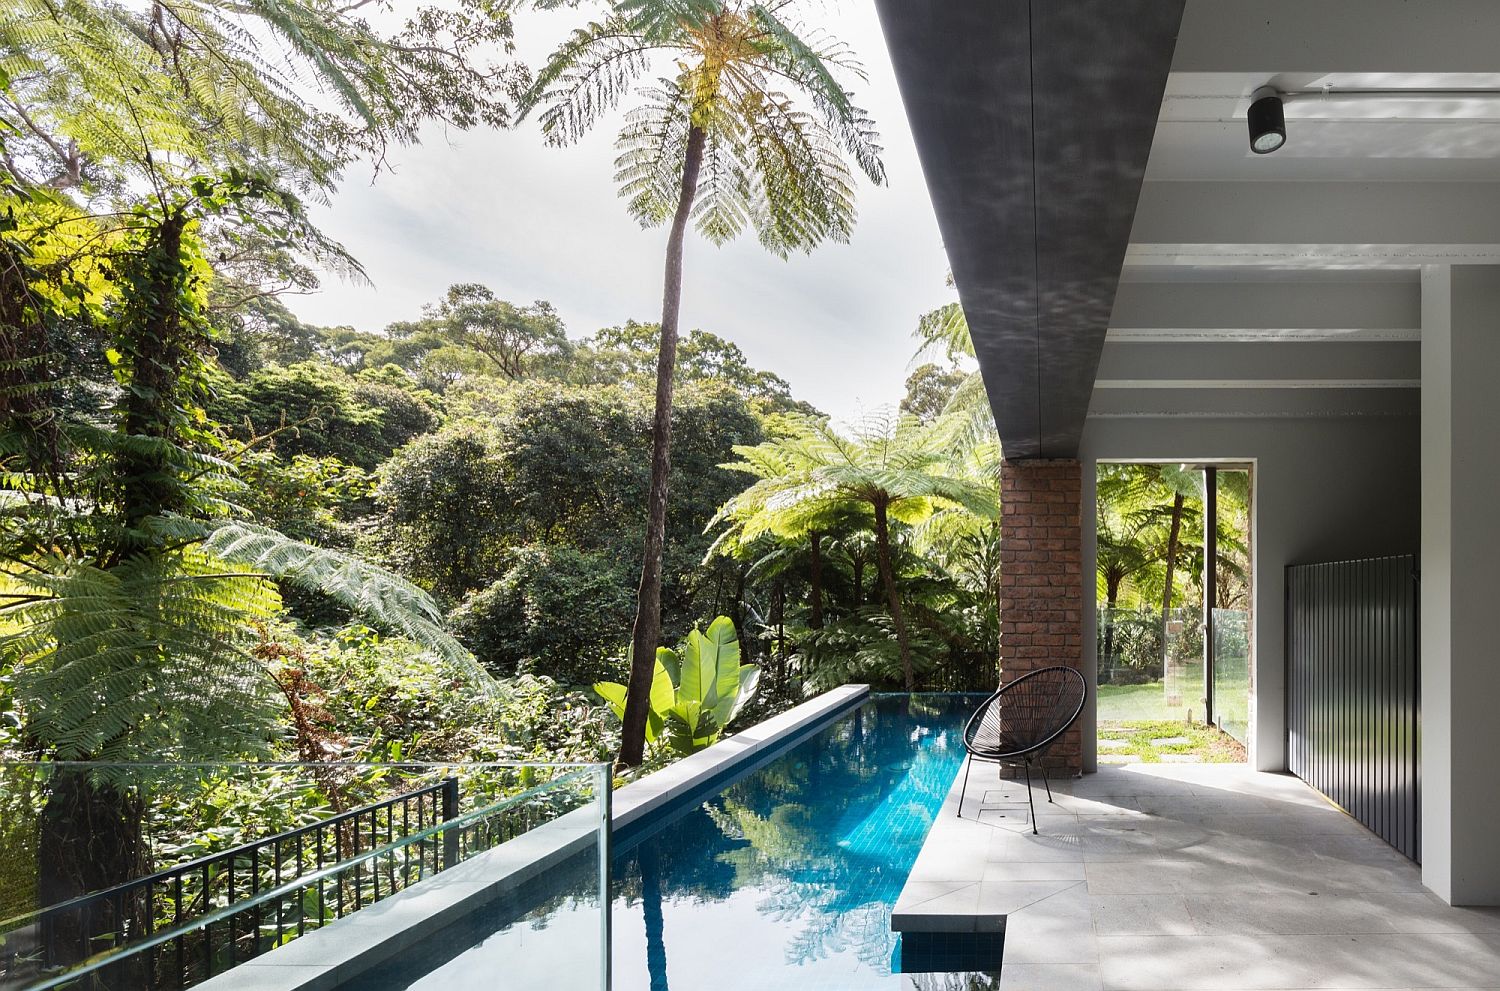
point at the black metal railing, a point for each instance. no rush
(65, 934)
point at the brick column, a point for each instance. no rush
(1041, 579)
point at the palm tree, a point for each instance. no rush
(895, 468)
(722, 143)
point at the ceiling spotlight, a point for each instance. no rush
(1267, 121)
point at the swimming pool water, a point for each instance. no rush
(782, 879)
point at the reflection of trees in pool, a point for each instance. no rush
(656, 946)
(955, 982)
(791, 832)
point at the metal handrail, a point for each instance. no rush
(441, 791)
(228, 912)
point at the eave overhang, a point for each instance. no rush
(1033, 121)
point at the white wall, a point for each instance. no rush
(1460, 544)
(1325, 489)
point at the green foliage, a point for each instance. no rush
(261, 331)
(129, 605)
(736, 73)
(557, 467)
(1136, 508)
(627, 354)
(930, 389)
(307, 498)
(894, 471)
(139, 661)
(1131, 645)
(108, 94)
(380, 693)
(813, 472)
(945, 332)
(442, 521)
(697, 691)
(508, 340)
(861, 647)
(555, 611)
(316, 410)
(370, 591)
(1135, 739)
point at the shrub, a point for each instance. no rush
(556, 611)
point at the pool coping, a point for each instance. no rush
(327, 957)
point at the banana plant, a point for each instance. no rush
(695, 692)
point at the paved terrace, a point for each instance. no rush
(1170, 876)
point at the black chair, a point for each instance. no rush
(1017, 724)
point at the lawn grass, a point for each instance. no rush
(1136, 702)
(1206, 743)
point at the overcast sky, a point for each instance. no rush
(533, 222)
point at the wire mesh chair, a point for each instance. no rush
(1017, 724)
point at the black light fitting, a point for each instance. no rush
(1267, 121)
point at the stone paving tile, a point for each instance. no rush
(1363, 847)
(1253, 963)
(1044, 871)
(1168, 876)
(277, 978)
(1051, 977)
(937, 906)
(1003, 898)
(1056, 930)
(1006, 846)
(1326, 875)
(1198, 878)
(1288, 913)
(1424, 912)
(1141, 915)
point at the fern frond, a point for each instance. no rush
(586, 77)
(384, 598)
(144, 660)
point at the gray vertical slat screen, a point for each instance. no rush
(1352, 692)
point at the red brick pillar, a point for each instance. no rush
(1041, 579)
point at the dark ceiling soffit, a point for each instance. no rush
(1033, 120)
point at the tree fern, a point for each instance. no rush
(106, 94)
(139, 662)
(720, 145)
(377, 594)
(890, 468)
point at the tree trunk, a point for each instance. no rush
(28, 368)
(892, 597)
(781, 626)
(1173, 538)
(737, 605)
(1111, 596)
(646, 635)
(815, 596)
(158, 356)
(656, 945)
(90, 830)
(89, 838)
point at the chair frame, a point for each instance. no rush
(1031, 754)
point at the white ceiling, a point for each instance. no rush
(1201, 133)
(1321, 241)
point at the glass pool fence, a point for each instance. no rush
(1151, 667)
(120, 877)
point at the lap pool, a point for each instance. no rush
(783, 878)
